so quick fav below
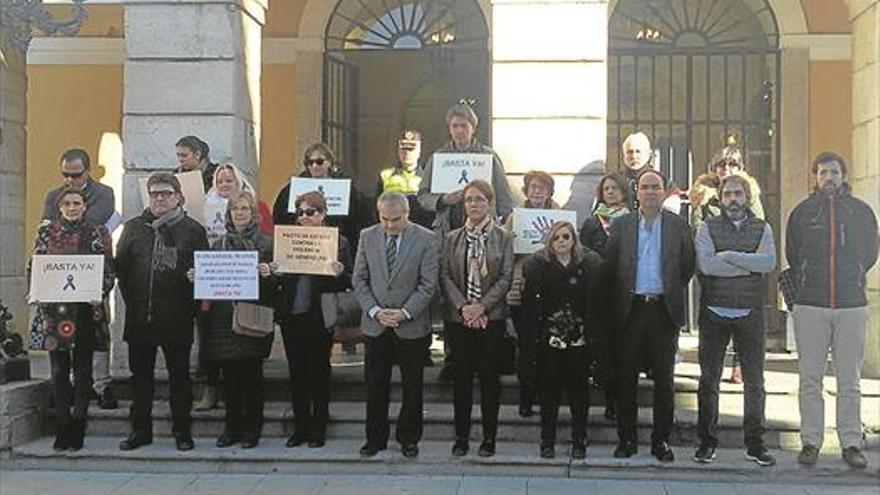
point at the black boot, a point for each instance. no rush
(76, 434)
(61, 435)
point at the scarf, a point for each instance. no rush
(247, 240)
(606, 215)
(476, 256)
(164, 250)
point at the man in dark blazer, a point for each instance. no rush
(395, 277)
(651, 253)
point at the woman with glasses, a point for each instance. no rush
(560, 281)
(240, 357)
(306, 340)
(476, 270)
(72, 331)
(612, 198)
(538, 188)
(319, 162)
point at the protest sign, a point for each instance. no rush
(222, 275)
(337, 192)
(531, 226)
(66, 278)
(452, 171)
(306, 250)
(192, 188)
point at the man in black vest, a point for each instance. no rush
(734, 251)
(651, 255)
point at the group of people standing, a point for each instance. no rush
(610, 296)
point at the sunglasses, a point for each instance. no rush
(315, 161)
(565, 237)
(309, 212)
(73, 175)
(161, 194)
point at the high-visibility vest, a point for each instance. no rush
(400, 180)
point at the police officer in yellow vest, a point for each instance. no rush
(404, 176)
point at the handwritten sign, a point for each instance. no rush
(306, 250)
(192, 188)
(66, 278)
(531, 226)
(452, 171)
(337, 192)
(223, 275)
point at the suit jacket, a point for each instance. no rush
(677, 257)
(409, 284)
(453, 276)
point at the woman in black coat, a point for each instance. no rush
(307, 342)
(559, 282)
(611, 199)
(241, 356)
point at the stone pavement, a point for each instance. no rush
(92, 483)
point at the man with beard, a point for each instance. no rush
(735, 250)
(831, 243)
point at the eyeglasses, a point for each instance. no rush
(315, 161)
(564, 236)
(309, 212)
(161, 194)
(475, 200)
(73, 175)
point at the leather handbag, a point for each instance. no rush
(342, 315)
(252, 320)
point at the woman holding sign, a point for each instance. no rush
(72, 331)
(560, 281)
(319, 162)
(476, 270)
(538, 188)
(307, 342)
(241, 356)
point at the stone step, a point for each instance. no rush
(101, 453)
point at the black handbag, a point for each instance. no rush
(342, 316)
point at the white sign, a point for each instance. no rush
(215, 217)
(193, 190)
(67, 278)
(531, 226)
(452, 171)
(307, 250)
(224, 275)
(335, 191)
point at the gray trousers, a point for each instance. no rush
(101, 370)
(843, 331)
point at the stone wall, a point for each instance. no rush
(22, 407)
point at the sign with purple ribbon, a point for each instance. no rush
(66, 278)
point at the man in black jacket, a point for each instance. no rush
(831, 243)
(153, 256)
(651, 255)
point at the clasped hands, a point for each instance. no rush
(390, 318)
(474, 316)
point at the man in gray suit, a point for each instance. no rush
(395, 276)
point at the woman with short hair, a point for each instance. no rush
(476, 271)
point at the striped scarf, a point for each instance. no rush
(476, 256)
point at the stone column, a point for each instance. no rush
(13, 148)
(549, 86)
(191, 67)
(864, 170)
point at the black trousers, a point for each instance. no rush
(67, 395)
(245, 395)
(564, 369)
(650, 334)
(142, 361)
(526, 358)
(602, 353)
(307, 347)
(381, 353)
(477, 351)
(748, 336)
(205, 365)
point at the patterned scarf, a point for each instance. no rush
(164, 250)
(476, 256)
(245, 240)
(607, 215)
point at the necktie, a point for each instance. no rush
(391, 251)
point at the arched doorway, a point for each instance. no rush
(691, 74)
(390, 65)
